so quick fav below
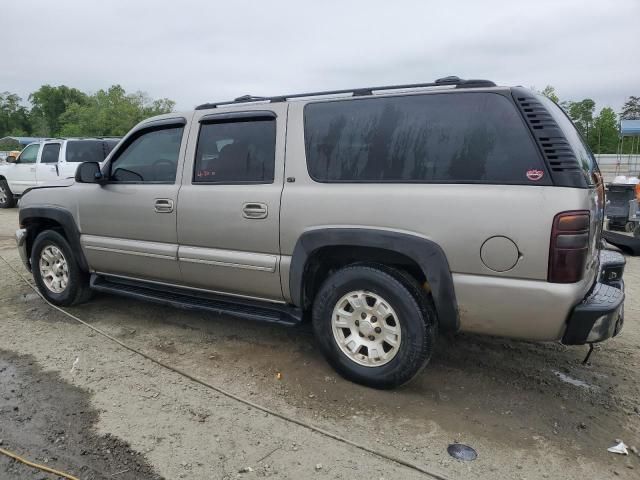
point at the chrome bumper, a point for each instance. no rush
(21, 241)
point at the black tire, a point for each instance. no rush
(416, 318)
(77, 289)
(6, 197)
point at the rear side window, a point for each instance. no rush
(50, 153)
(236, 152)
(585, 158)
(436, 138)
(88, 150)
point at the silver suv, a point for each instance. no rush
(383, 215)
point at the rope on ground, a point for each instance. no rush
(249, 403)
(37, 465)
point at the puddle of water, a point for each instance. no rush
(574, 381)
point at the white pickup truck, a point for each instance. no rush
(47, 161)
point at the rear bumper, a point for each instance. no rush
(600, 315)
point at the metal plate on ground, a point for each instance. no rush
(462, 452)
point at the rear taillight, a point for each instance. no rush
(569, 246)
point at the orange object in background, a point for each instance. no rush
(638, 192)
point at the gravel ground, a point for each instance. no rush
(530, 410)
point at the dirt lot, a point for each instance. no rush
(91, 408)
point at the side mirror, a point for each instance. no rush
(11, 159)
(89, 172)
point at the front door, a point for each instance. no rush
(47, 167)
(229, 203)
(23, 173)
(128, 225)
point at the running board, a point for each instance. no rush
(188, 299)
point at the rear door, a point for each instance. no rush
(229, 203)
(23, 173)
(47, 168)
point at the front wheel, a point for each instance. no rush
(6, 197)
(373, 327)
(56, 270)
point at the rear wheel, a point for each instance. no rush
(371, 326)
(56, 270)
(6, 197)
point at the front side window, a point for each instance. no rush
(152, 156)
(29, 154)
(236, 152)
(50, 153)
(435, 138)
(88, 150)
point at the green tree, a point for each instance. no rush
(14, 117)
(631, 109)
(8, 144)
(550, 93)
(605, 132)
(49, 104)
(582, 115)
(111, 112)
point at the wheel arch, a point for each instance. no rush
(425, 254)
(38, 219)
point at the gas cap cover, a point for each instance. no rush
(499, 253)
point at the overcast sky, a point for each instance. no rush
(198, 51)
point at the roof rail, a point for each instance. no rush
(454, 81)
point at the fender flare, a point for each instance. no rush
(426, 253)
(65, 219)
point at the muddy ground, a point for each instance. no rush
(51, 422)
(530, 410)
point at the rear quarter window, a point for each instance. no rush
(88, 150)
(474, 137)
(583, 153)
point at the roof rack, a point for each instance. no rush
(454, 81)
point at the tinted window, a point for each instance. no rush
(50, 153)
(88, 150)
(29, 154)
(585, 158)
(462, 137)
(236, 152)
(150, 157)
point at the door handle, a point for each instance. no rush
(255, 210)
(33, 169)
(163, 205)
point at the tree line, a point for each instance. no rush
(602, 130)
(63, 111)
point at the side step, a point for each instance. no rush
(188, 299)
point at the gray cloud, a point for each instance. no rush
(197, 51)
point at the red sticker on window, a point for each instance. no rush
(534, 175)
